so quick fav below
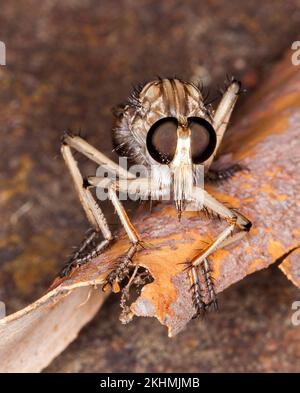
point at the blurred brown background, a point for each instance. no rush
(68, 64)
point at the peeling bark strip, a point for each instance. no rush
(266, 140)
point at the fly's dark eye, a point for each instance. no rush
(162, 140)
(203, 139)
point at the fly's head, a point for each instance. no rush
(167, 125)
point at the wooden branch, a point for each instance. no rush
(266, 140)
(32, 337)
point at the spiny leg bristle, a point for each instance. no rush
(121, 269)
(89, 248)
(209, 283)
(197, 296)
(202, 286)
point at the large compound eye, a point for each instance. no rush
(203, 139)
(162, 140)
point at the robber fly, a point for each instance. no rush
(165, 124)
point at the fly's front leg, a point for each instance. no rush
(90, 247)
(121, 271)
(137, 188)
(89, 151)
(237, 222)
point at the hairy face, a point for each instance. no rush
(167, 123)
(149, 128)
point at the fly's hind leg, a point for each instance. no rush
(121, 271)
(219, 175)
(88, 249)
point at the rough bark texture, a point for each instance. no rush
(35, 335)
